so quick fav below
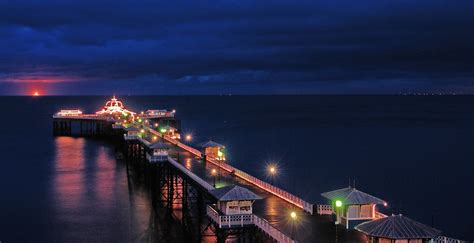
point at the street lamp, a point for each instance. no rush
(272, 169)
(293, 218)
(214, 172)
(188, 137)
(338, 205)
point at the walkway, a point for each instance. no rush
(306, 228)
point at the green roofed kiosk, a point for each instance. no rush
(397, 229)
(353, 207)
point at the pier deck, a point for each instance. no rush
(308, 228)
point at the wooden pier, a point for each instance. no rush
(179, 173)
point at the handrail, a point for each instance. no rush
(130, 137)
(245, 219)
(266, 227)
(85, 117)
(324, 209)
(214, 215)
(444, 239)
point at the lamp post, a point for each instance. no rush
(338, 206)
(272, 171)
(293, 223)
(214, 172)
(188, 137)
(220, 156)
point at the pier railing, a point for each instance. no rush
(324, 209)
(130, 137)
(229, 221)
(156, 158)
(306, 206)
(240, 220)
(297, 201)
(84, 117)
(266, 227)
(444, 239)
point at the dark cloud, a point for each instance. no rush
(238, 46)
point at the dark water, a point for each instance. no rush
(415, 152)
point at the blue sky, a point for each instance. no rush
(238, 47)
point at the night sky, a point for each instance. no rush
(236, 47)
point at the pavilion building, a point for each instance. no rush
(132, 133)
(234, 199)
(157, 152)
(213, 150)
(397, 229)
(233, 208)
(353, 207)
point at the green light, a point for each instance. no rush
(338, 203)
(219, 153)
(163, 130)
(139, 120)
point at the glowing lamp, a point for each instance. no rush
(142, 131)
(272, 169)
(155, 138)
(293, 215)
(213, 171)
(189, 137)
(163, 130)
(156, 124)
(338, 203)
(219, 153)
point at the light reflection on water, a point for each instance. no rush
(92, 197)
(68, 181)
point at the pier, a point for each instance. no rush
(214, 197)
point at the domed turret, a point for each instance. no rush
(113, 103)
(114, 107)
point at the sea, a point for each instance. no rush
(415, 152)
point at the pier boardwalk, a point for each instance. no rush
(154, 138)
